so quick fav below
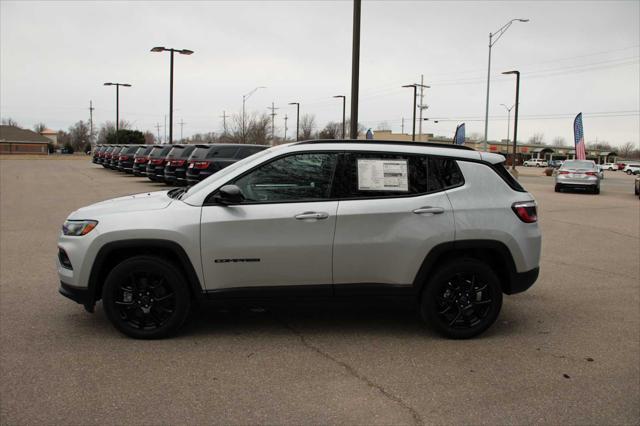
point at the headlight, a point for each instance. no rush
(78, 228)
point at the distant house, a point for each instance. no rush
(14, 140)
(50, 134)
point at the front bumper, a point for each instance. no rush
(77, 294)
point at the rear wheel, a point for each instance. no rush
(596, 190)
(558, 188)
(146, 297)
(462, 299)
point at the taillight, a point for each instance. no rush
(140, 160)
(123, 158)
(177, 163)
(526, 211)
(200, 164)
(591, 173)
(563, 173)
(157, 161)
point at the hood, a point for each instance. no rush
(129, 203)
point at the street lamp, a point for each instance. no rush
(415, 94)
(508, 119)
(344, 104)
(182, 52)
(244, 100)
(498, 34)
(117, 103)
(297, 104)
(515, 120)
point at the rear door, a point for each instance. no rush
(393, 210)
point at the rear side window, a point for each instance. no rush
(186, 152)
(160, 152)
(506, 176)
(443, 173)
(222, 152)
(199, 153)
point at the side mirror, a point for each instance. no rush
(228, 194)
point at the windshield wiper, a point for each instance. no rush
(176, 193)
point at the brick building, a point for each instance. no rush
(14, 140)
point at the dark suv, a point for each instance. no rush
(125, 158)
(176, 167)
(157, 161)
(96, 153)
(208, 159)
(115, 154)
(105, 156)
(140, 160)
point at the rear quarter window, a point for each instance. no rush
(200, 153)
(222, 152)
(247, 151)
(175, 152)
(502, 171)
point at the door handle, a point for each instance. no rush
(429, 210)
(312, 215)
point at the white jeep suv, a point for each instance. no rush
(445, 227)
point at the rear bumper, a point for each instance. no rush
(522, 281)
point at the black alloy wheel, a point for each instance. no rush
(146, 297)
(463, 299)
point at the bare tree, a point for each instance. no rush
(79, 135)
(9, 122)
(559, 141)
(39, 127)
(307, 125)
(536, 139)
(627, 150)
(332, 130)
(149, 138)
(209, 137)
(383, 125)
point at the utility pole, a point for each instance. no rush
(165, 128)
(91, 108)
(422, 106)
(182, 123)
(224, 122)
(273, 117)
(158, 128)
(402, 131)
(285, 127)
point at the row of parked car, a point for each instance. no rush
(172, 164)
(628, 168)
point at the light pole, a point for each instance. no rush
(344, 105)
(508, 119)
(497, 35)
(297, 104)
(182, 52)
(117, 103)
(355, 70)
(515, 120)
(415, 94)
(244, 100)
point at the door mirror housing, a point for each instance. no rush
(229, 194)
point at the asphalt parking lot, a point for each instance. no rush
(565, 352)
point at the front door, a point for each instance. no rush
(281, 235)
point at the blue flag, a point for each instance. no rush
(458, 139)
(578, 136)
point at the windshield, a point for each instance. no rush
(228, 170)
(578, 164)
(175, 152)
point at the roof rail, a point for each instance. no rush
(378, 141)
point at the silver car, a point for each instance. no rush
(580, 174)
(445, 228)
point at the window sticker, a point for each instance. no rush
(382, 175)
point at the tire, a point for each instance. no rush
(439, 299)
(629, 172)
(161, 305)
(596, 190)
(558, 188)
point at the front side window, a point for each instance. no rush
(297, 177)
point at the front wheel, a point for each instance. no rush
(146, 297)
(629, 172)
(462, 299)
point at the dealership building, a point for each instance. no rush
(14, 140)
